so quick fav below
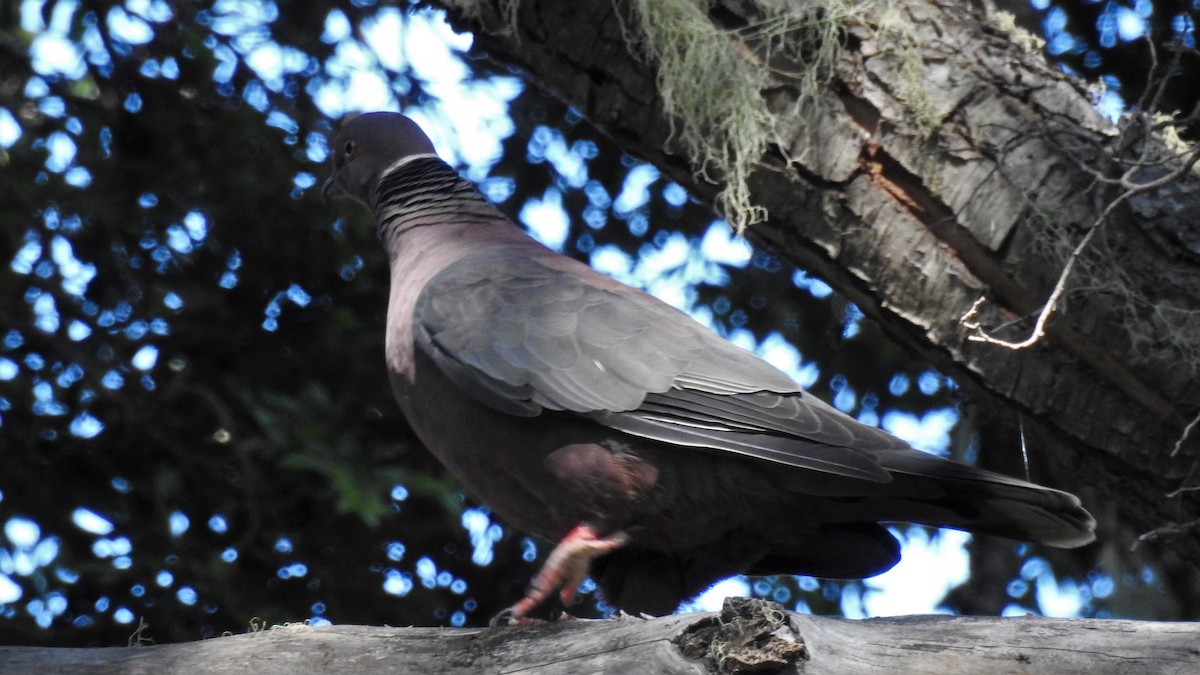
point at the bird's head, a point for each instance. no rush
(367, 146)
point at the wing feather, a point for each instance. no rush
(535, 333)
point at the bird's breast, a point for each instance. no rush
(499, 459)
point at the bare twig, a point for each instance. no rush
(1183, 490)
(1186, 432)
(1039, 330)
(1168, 530)
(1138, 129)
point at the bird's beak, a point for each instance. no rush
(329, 187)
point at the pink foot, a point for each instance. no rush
(567, 566)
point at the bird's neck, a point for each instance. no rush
(429, 218)
(426, 192)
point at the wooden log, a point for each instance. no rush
(747, 636)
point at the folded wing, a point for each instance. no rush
(523, 334)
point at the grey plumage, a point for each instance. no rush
(560, 397)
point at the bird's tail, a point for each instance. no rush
(934, 491)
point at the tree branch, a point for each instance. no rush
(747, 636)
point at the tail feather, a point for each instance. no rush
(928, 490)
(991, 503)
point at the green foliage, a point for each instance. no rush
(297, 431)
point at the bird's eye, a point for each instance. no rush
(349, 148)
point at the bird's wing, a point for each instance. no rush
(528, 333)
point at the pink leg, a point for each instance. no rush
(567, 566)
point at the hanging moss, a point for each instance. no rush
(1007, 24)
(711, 82)
(712, 97)
(895, 35)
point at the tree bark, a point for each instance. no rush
(943, 164)
(747, 636)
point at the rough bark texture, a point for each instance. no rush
(943, 163)
(747, 636)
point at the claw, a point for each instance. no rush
(567, 567)
(504, 618)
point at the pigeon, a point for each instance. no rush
(660, 456)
